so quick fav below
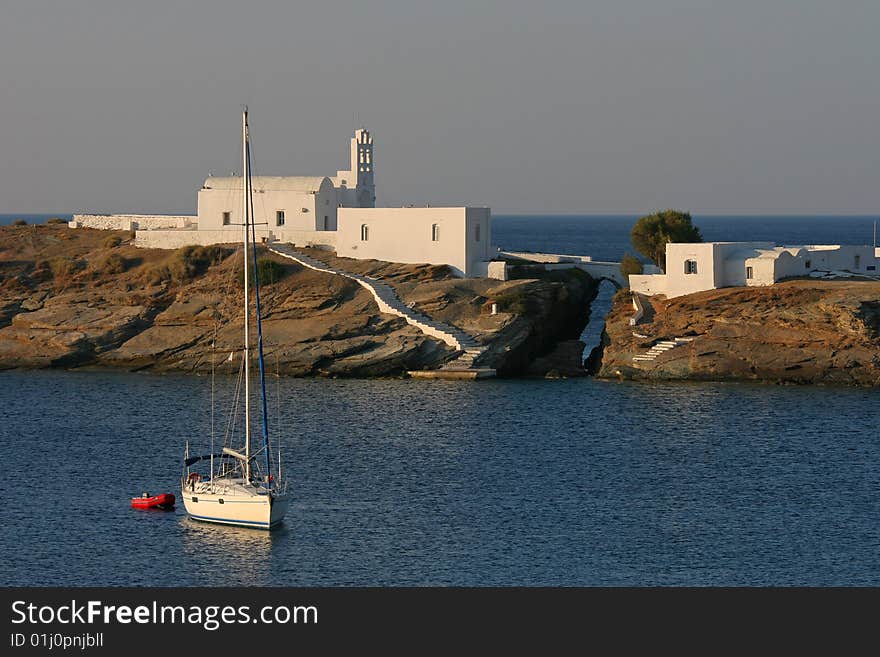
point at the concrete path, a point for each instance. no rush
(388, 301)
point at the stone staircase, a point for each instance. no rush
(661, 346)
(388, 301)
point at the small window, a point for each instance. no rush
(279, 217)
(221, 499)
(227, 218)
(325, 223)
(857, 261)
(435, 233)
(808, 264)
(477, 232)
(690, 266)
(750, 274)
(365, 232)
(305, 209)
(326, 201)
(196, 499)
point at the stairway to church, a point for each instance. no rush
(388, 301)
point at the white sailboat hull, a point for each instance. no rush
(242, 505)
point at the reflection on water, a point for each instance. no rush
(228, 555)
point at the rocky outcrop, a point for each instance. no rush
(799, 331)
(89, 298)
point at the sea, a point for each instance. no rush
(529, 482)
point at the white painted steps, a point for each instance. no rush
(659, 347)
(388, 301)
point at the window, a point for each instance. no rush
(279, 217)
(477, 232)
(326, 201)
(365, 232)
(690, 266)
(750, 274)
(227, 218)
(435, 233)
(808, 264)
(857, 261)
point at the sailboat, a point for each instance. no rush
(239, 487)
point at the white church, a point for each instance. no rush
(335, 213)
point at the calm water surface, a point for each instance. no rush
(575, 482)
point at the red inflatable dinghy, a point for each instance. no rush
(147, 501)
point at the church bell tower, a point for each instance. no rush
(362, 163)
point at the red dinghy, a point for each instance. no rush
(147, 501)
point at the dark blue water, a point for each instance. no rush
(426, 482)
(6, 219)
(607, 237)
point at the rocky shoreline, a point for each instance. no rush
(88, 298)
(798, 331)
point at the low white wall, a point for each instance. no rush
(639, 309)
(315, 238)
(594, 268)
(174, 239)
(546, 257)
(132, 221)
(648, 284)
(496, 269)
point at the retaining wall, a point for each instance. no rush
(132, 221)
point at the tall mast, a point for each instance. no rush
(247, 344)
(259, 316)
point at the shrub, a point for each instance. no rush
(270, 271)
(513, 302)
(19, 222)
(186, 263)
(56, 220)
(112, 242)
(64, 269)
(156, 274)
(629, 264)
(197, 259)
(112, 264)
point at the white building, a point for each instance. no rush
(285, 202)
(710, 265)
(337, 213)
(458, 237)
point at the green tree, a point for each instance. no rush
(652, 232)
(629, 264)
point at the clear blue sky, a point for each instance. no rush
(625, 106)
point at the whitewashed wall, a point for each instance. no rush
(131, 221)
(302, 210)
(405, 235)
(174, 239)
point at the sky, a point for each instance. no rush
(582, 106)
